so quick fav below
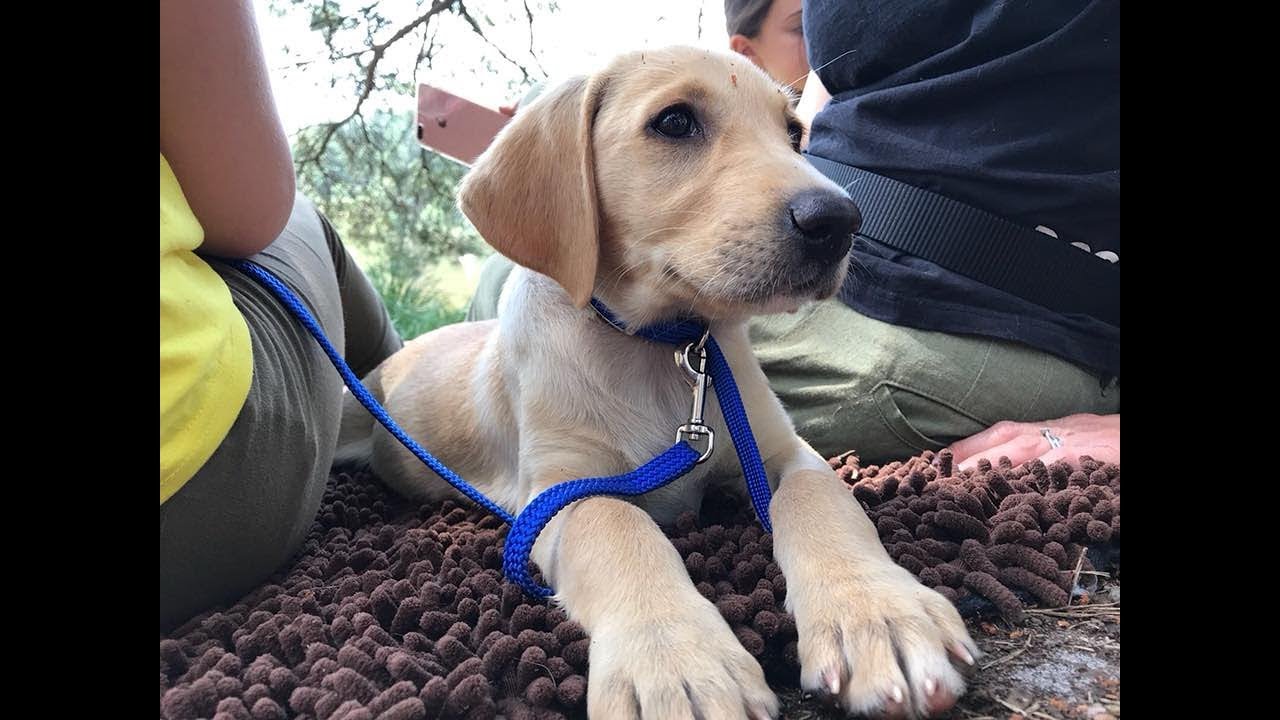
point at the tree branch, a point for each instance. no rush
(475, 26)
(532, 53)
(370, 70)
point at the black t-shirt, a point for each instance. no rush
(1011, 107)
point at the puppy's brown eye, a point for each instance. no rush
(796, 132)
(676, 122)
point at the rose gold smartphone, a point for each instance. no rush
(454, 126)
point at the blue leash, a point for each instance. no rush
(671, 464)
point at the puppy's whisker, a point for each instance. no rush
(622, 272)
(861, 272)
(699, 213)
(650, 234)
(722, 269)
(705, 287)
(729, 271)
(820, 67)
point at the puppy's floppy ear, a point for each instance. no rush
(532, 194)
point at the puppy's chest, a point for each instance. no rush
(645, 402)
(648, 409)
(626, 398)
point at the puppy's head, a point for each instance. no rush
(671, 181)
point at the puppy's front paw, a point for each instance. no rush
(880, 641)
(683, 662)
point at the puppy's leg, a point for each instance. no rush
(869, 631)
(659, 649)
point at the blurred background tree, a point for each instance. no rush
(345, 74)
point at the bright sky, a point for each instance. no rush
(576, 37)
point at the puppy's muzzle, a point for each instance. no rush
(823, 223)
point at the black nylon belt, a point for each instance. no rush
(985, 247)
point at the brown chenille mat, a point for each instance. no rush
(398, 612)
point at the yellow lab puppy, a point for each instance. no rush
(667, 184)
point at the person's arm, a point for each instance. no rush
(219, 128)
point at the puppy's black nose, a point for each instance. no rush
(825, 222)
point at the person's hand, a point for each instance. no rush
(509, 110)
(1097, 436)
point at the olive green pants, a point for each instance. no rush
(886, 391)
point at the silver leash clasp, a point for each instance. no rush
(693, 360)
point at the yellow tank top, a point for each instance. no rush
(206, 360)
